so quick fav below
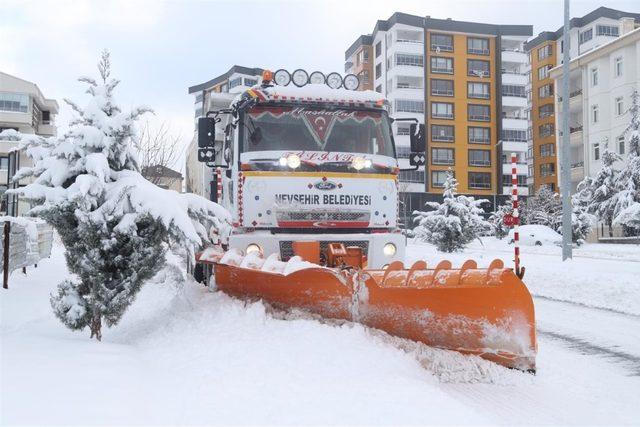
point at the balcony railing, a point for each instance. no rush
(442, 70)
(479, 162)
(479, 118)
(437, 161)
(473, 51)
(441, 92)
(442, 115)
(409, 41)
(575, 129)
(479, 95)
(442, 138)
(441, 47)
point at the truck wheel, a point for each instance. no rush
(198, 273)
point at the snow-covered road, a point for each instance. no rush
(184, 355)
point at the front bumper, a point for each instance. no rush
(372, 244)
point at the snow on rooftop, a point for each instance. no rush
(324, 92)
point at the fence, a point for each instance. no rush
(24, 243)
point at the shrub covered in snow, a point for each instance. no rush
(544, 208)
(581, 219)
(114, 224)
(452, 224)
(500, 229)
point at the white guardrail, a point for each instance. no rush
(24, 242)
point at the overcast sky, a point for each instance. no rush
(160, 48)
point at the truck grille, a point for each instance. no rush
(286, 247)
(322, 216)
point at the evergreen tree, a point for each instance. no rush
(454, 223)
(544, 208)
(114, 224)
(501, 230)
(602, 200)
(626, 210)
(581, 219)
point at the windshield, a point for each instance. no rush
(271, 128)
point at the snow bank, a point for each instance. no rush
(531, 234)
(271, 264)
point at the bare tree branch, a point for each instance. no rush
(158, 146)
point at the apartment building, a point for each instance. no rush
(466, 82)
(25, 109)
(587, 34)
(236, 80)
(601, 81)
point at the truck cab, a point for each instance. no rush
(306, 164)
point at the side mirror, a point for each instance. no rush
(206, 131)
(417, 138)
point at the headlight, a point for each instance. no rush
(317, 78)
(389, 249)
(282, 77)
(283, 161)
(293, 161)
(334, 81)
(253, 248)
(300, 77)
(384, 267)
(351, 82)
(359, 163)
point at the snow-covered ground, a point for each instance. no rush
(185, 355)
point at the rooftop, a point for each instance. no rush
(222, 77)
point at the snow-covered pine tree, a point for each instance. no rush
(454, 223)
(501, 230)
(114, 224)
(544, 208)
(602, 203)
(581, 219)
(626, 211)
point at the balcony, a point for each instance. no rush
(514, 101)
(441, 48)
(512, 78)
(514, 123)
(514, 56)
(513, 146)
(522, 190)
(521, 168)
(46, 129)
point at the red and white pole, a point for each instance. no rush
(219, 185)
(516, 216)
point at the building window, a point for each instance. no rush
(378, 49)
(15, 102)
(403, 129)
(379, 88)
(545, 91)
(363, 56)
(408, 82)
(235, 82)
(479, 180)
(514, 90)
(545, 52)
(364, 77)
(547, 150)
(546, 130)
(409, 106)
(477, 46)
(506, 180)
(619, 102)
(479, 158)
(607, 30)
(478, 90)
(441, 110)
(441, 87)
(250, 82)
(617, 68)
(378, 71)
(548, 169)
(442, 156)
(545, 111)
(620, 141)
(409, 60)
(479, 113)
(595, 114)
(514, 135)
(442, 133)
(477, 68)
(438, 178)
(412, 176)
(543, 72)
(442, 42)
(596, 151)
(224, 88)
(479, 135)
(594, 77)
(441, 65)
(4, 163)
(585, 36)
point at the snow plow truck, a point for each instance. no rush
(307, 167)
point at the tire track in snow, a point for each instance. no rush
(629, 360)
(583, 305)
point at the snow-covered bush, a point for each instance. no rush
(114, 224)
(500, 229)
(603, 189)
(452, 224)
(581, 219)
(626, 202)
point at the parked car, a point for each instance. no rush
(537, 235)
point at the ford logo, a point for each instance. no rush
(325, 185)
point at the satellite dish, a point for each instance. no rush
(437, 49)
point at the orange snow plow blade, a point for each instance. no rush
(483, 311)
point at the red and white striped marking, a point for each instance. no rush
(219, 185)
(516, 213)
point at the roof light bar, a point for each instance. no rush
(301, 78)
